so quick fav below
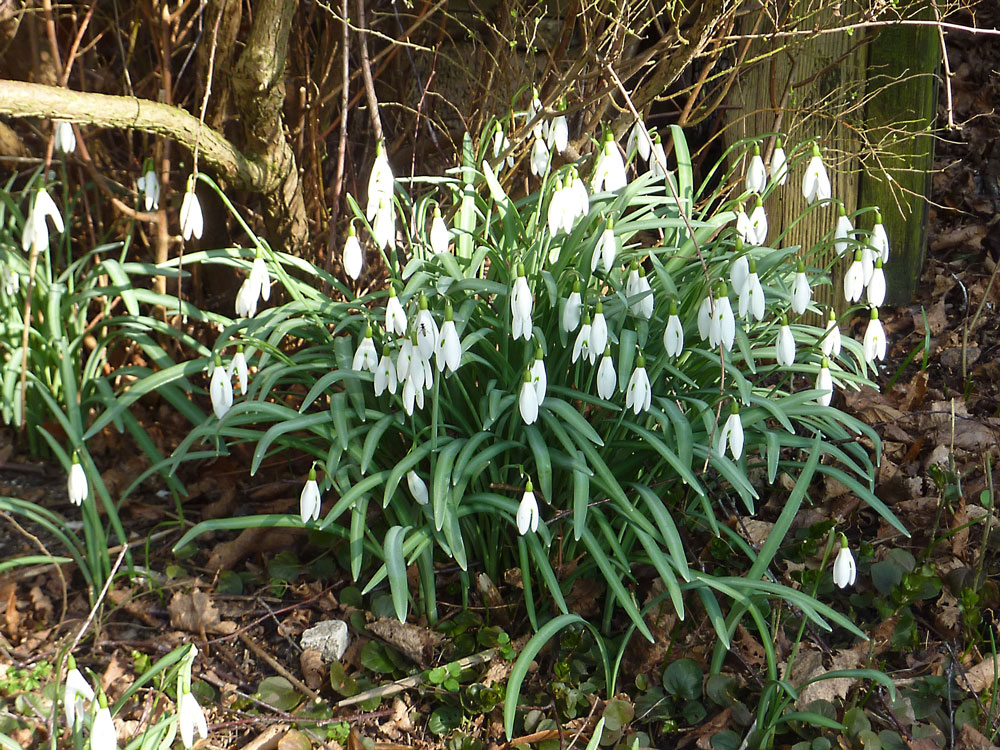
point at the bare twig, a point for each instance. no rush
(366, 71)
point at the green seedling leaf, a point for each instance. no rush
(341, 682)
(683, 679)
(278, 692)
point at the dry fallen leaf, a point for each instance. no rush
(195, 613)
(415, 643)
(313, 668)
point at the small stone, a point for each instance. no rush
(329, 637)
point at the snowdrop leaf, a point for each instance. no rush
(373, 438)
(338, 413)
(668, 455)
(581, 499)
(543, 462)
(290, 423)
(441, 480)
(659, 561)
(398, 471)
(453, 535)
(469, 449)
(668, 530)
(356, 543)
(395, 565)
(573, 418)
(613, 580)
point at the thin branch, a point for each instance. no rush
(366, 70)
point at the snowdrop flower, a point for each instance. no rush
(76, 691)
(705, 319)
(528, 400)
(76, 484)
(220, 389)
(879, 239)
(831, 341)
(520, 306)
(257, 285)
(874, 345)
(36, 230)
(557, 213)
(609, 171)
(577, 200)
(731, 435)
(752, 294)
(582, 346)
(673, 334)
(845, 570)
(638, 141)
(426, 330)
(191, 718)
(440, 236)
(352, 258)
(786, 345)
(383, 231)
(192, 220)
(366, 358)
(801, 291)
(538, 377)
(65, 137)
(149, 184)
(395, 318)
(559, 133)
(11, 280)
(876, 287)
(638, 395)
(824, 383)
(527, 511)
(449, 348)
(638, 286)
(758, 223)
(723, 329)
(418, 488)
(102, 732)
(380, 183)
(540, 128)
(500, 144)
(854, 279)
(404, 359)
(572, 309)
(868, 256)
(657, 159)
(607, 379)
(238, 367)
(606, 248)
(815, 182)
(779, 164)
(385, 375)
(843, 233)
(539, 157)
(309, 499)
(598, 333)
(745, 228)
(756, 177)
(739, 272)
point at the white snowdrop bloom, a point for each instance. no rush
(395, 317)
(76, 483)
(638, 141)
(527, 402)
(632, 280)
(845, 570)
(380, 183)
(705, 319)
(428, 373)
(578, 202)
(739, 272)
(76, 691)
(657, 160)
(744, 227)
(404, 359)
(527, 511)
(192, 219)
(385, 375)
(220, 389)
(520, 306)
(383, 230)
(779, 164)
(758, 223)
(539, 157)
(607, 378)
(540, 127)
(309, 498)
(824, 383)
(558, 214)
(606, 249)
(572, 309)
(559, 133)
(731, 435)
(756, 177)
(65, 137)
(238, 367)
(409, 396)
(609, 171)
(582, 345)
(36, 230)
(10, 279)
(876, 287)
(723, 323)
(638, 394)
(801, 291)
(752, 296)
(102, 732)
(191, 718)
(598, 333)
(831, 341)
(673, 334)
(149, 184)
(440, 236)
(418, 488)
(815, 181)
(879, 239)
(366, 358)
(449, 347)
(874, 344)
(501, 143)
(352, 257)
(426, 330)
(642, 307)
(538, 377)
(843, 233)
(868, 256)
(785, 346)
(854, 278)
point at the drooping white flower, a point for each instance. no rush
(874, 344)
(395, 317)
(845, 570)
(65, 137)
(756, 177)
(76, 691)
(657, 159)
(739, 272)
(638, 141)
(309, 498)
(102, 732)
(824, 383)
(598, 333)
(409, 395)
(539, 157)
(723, 329)
(238, 367)
(220, 389)
(731, 435)
(607, 378)
(440, 236)
(191, 718)
(559, 133)
(383, 227)
(606, 248)
(385, 375)
(609, 171)
(520, 306)
(557, 216)
(582, 345)
(879, 239)
(843, 233)
(744, 227)
(149, 184)
(815, 181)
(527, 402)
(705, 319)
(538, 377)
(36, 230)
(577, 201)
(876, 287)
(501, 143)
(572, 309)
(449, 347)
(257, 285)
(426, 330)
(418, 488)
(527, 511)
(831, 341)
(758, 223)
(366, 358)
(10, 279)
(779, 164)
(854, 278)
(76, 483)
(404, 359)
(643, 306)
(785, 346)
(801, 291)
(380, 183)
(673, 334)
(540, 127)
(638, 394)
(352, 258)
(192, 219)
(752, 295)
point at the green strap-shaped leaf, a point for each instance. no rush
(543, 462)
(395, 565)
